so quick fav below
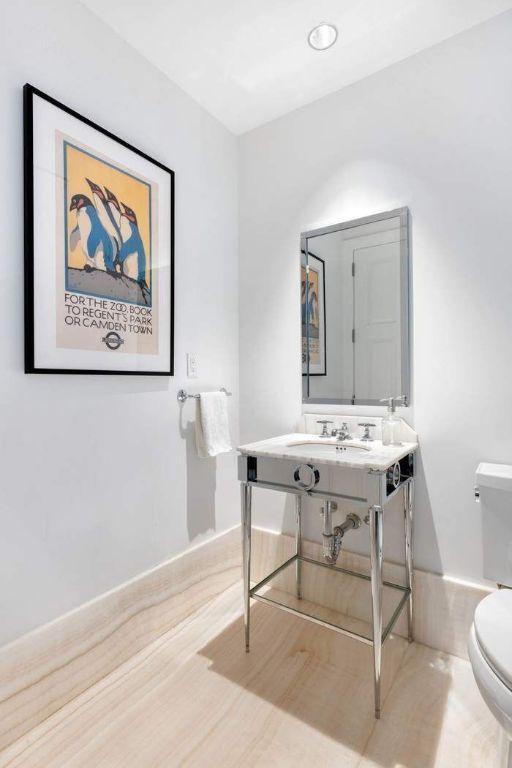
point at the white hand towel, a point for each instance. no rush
(212, 426)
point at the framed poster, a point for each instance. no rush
(313, 316)
(99, 248)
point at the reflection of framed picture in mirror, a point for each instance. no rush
(313, 317)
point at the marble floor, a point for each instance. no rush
(302, 697)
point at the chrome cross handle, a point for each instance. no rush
(325, 422)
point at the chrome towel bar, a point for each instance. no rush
(183, 395)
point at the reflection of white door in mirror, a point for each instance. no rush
(377, 320)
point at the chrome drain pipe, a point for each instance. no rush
(332, 539)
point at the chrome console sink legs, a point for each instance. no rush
(377, 581)
(298, 544)
(375, 519)
(246, 490)
(376, 570)
(408, 520)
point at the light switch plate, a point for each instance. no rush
(191, 366)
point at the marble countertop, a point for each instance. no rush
(323, 451)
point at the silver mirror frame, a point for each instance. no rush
(405, 294)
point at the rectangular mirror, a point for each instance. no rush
(355, 310)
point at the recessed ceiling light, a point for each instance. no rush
(323, 36)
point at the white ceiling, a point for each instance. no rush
(247, 61)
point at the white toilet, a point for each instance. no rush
(490, 639)
(490, 653)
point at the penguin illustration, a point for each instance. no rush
(96, 243)
(132, 256)
(313, 308)
(114, 207)
(106, 216)
(303, 301)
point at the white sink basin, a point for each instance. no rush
(328, 447)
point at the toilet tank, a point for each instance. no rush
(493, 489)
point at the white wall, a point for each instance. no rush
(433, 133)
(98, 474)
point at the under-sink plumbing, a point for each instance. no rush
(332, 539)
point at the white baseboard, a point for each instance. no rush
(45, 669)
(443, 607)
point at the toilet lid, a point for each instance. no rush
(493, 628)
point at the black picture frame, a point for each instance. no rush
(29, 91)
(324, 313)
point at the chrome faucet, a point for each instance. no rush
(343, 433)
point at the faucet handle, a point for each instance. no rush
(366, 425)
(325, 422)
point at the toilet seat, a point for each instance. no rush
(493, 630)
(490, 653)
